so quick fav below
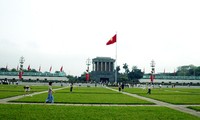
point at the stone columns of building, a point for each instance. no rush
(98, 66)
(101, 66)
(105, 66)
(95, 66)
(109, 67)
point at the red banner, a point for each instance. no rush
(87, 77)
(152, 78)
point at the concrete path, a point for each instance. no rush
(181, 108)
(5, 100)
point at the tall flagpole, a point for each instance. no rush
(116, 61)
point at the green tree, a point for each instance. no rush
(186, 70)
(118, 69)
(125, 66)
(123, 78)
(135, 74)
(72, 79)
(13, 70)
(33, 70)
(3, 70)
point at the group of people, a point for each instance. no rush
(50, 98)
(121, 88)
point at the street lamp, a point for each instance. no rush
(88, 62)
(21, 61)
(152, 71)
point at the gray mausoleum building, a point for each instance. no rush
(103, 69)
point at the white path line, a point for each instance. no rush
(5, 100)
(172, 106)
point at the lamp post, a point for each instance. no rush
(152, 71)
(88, 62)
(21, 61)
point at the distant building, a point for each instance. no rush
(34, 76)
(103, 69)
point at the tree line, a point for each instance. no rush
(186, 70)
(129, 76)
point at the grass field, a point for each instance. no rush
(14, 90)
(170, 95)
(46, 112)
(86, 95)
(97, 95)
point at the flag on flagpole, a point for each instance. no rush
(50, 69)
(61, 69)
(112, 40)
(29, 68)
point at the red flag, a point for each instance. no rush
(50, 69)
(61, 69)
(112, 40)
(29, 68)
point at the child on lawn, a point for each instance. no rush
(50, 98)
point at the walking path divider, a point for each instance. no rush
(5, 100)
(181, 108)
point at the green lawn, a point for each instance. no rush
(14, 90)
(54, 112)
(170, 95)
(86, 95)
(197, 108)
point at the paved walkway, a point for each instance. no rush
(181, 108)
(5, 100)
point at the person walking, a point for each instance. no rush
(26, 90)
(149, 89)
(122, 87)
(119, 86)
(71, 87)
(50, 98)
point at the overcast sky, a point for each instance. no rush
(66, 32)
